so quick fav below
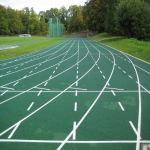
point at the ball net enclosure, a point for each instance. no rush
(56, 29)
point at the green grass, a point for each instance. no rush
(27, 45)
(131, 46)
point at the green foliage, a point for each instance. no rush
(133, 19)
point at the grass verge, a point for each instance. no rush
(139, 49)
(27, 45)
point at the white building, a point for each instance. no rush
(24, 35)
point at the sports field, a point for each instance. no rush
(74, 95)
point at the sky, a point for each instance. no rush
(40, 5)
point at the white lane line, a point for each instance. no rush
(98, 68)
(119, 67)
(8, 71)
(77, 88)
(124, 71)
(113, 92)
(76, 83)
(56, 68)
(77, 77)
(77, 72)
(72, 142)
(15, 83)
(77, 67)
(16, 68)
(6, 88)
(113, 88)
(103, 76)
(53, 71)
(39, 64)
(101, 72)
(121, 106)
(24, 77)
(74, 131)
(45, 83)
(144, 88)
(39, 93)
(4, 92)
(75, 106)
(16, 126)
(76, 93)
(129, 76)
(41, 88)
(30, 71)
(50, 77)
(108, 84)
(30, 106)
(142, 69)
(36, 67)
(134, 129)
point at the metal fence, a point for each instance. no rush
(56, 29)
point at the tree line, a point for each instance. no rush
(130, 18)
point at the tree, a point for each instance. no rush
(133, 18)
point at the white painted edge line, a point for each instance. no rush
(30, 106)
(113, 92)
(74, 131)
(134, 129)
(144, 88)
(103, 76)
(16, 126)
(78, 88)
(75, 106)
(119, 67)
(15, 83)
(121, 106)
(30, 71)
(53, 71)
(77, 77)
(4, 92)
(39, 93)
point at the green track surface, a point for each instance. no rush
(68, 95)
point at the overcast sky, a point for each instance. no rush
(40, 5)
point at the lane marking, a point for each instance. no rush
(76, 93)
(6, 88)
(36, 67)
(134, 129)
(124, 71)
(113, 92)
(76, 83)
(8, 71)
(4, 92)
(119, 67)
(72, 142)
(30, 71)
(130, 76)
(15, 83)
(30, 106)
(53, 71)
(77, 72)
(39, 93)
(77, 88)
(41, 88)
(74, 131)
(16, 68)
(103, 76)
(77, 77)
(25, 76)
(113, 88)
(75, 106)
(101, 72)
(50, 77)
(121, 106)
(16, 126)
(108, 84)
(45, 83)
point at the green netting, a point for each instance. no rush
(56, 29)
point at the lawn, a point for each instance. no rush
(26, 45)
(134, 47)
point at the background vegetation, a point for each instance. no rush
(118, 17)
